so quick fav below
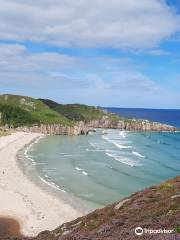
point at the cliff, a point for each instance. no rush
(49, 117)
(83, 129)
(156, 208)
(94, 117)
(105, 123)
(57, 129)
(130, 125)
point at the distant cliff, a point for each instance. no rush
(82, 128)
(130, 125)
(156, 208)
(49, 117)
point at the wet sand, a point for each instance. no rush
(9, 227)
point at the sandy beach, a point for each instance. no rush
(34, 208)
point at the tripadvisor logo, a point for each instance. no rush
(140, 231)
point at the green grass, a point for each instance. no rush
(14, 116)
(30, 111)
(166, 185)
(177, 229)
(76, 112)
(21, 110)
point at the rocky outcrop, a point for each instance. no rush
(105, 123)
(130, 125)
(57, 129)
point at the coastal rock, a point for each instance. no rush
(57, 129)
(131, 125)
(82, 128)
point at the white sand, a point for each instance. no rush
(35, 209)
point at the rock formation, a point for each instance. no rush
(84, 128)
(130, 125)
(57, 129)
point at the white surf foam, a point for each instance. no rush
(81, 170)
(51, 184)
(122, 134)
(30, 159)
(110, 155)
(118, 143)
(84, 173)
(78, 169)
(123, 160)
(29, 147)
(121, 146)
(138, 154)
(94, 150)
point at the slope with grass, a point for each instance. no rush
(20, 110)
(95, 117)
(154, 208)
(49, 117)
(76, 112)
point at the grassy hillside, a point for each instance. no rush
(19, 110)
(76, 112)
(15, 116)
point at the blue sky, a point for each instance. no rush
(109, 53)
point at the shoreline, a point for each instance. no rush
(34, 208)
(28, 167)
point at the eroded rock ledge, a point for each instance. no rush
(84, 128)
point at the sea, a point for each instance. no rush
(108, 165)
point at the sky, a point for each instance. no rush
(110, 53)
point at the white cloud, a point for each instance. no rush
(158, 52)
(133, 82)
(88, 23)
(53, 70)
(93, 80)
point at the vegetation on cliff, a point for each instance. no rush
(19, 110)
(76, 112)
(157, 207)
(15, 116)
(50, 117)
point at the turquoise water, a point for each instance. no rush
(103, 167)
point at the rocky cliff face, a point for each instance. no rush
(105, 122)
(131, 125)
(156, 208)
(57, 129)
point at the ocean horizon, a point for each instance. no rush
(166, 116)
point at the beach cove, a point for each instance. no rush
(69, 166)
(35, 209)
